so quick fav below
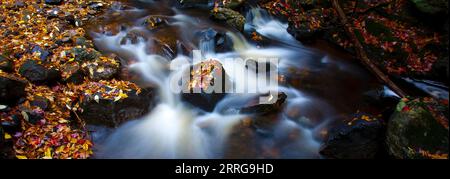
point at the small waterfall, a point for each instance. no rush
(273, 29)
(175, 130)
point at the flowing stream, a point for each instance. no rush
(330, 87)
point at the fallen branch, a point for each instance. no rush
(361, 53)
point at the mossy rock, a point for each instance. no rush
(233, 4)
(432, 6)
(416, 132)
(230, 17)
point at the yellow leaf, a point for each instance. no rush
(7, 136)
(62, 121)
(100, 69)
(60, 149)
(85, 146)
(21, 157)
(121, 96)
(48, 153)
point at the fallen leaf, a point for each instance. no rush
(21, 157)
(7, 136)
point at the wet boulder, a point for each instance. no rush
(265, 111)
(272, 105)
(361, 137)
(207, 85)
(110, 29)
(85, 54)
(11, 89)
(154, 21)
(38, 74)
(113, 106)
(103, 68)
(6, 64)
(133, 37)
(418, 129)
(233, 4)
(165, 43)
(217, 40)
(230, 17)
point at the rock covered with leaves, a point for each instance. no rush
(208, 84)
(111, 104)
